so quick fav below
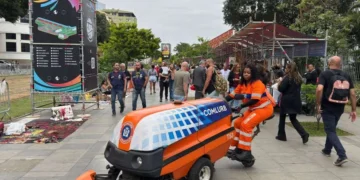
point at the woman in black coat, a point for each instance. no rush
(290, 102)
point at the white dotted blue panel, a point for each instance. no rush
(164, 128)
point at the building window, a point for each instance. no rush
(10, 36)
(11, 47)
(25, 37)
(25, 47)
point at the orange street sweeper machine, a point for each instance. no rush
(171, 141)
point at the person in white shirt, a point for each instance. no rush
(225, 74)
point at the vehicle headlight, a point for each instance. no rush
(139, 160)
(136, 162)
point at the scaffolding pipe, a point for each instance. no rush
(287, 56)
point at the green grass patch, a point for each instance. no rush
(20, 107)
(312, 129)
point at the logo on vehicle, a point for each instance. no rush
(126, 132)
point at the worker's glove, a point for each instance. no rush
(239, 97)
(236, 110)
(228, 98)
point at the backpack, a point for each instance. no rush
(341, 88)
(220, 84)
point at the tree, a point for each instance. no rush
(237, 13)
(103, 27)
(127, 43)
(186, 51)
(11, 10)
(317, 16)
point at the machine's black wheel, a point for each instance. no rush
(249, 163)
(203, 169)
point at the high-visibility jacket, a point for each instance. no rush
(255, 90)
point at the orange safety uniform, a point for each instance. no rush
(257, 113)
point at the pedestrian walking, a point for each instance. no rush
(171, 81)
(290, 102)
(234, 79)
(128, 77)
(181, 83)
(198, 79)
(152, 79)
(209, 86)
(164, 74)
(334, 89)
(225, 74)
(117, 81)
(139, 79)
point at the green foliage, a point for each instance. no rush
(317, 16)
(186, 51)
(237, 13)
(103, 27)
(11, 10)
(127, 43)
(312, 129)
(308, 95)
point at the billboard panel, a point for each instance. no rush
(90, 68)
(56, 68)
(89, 23)
(166, 50)
(56, 21)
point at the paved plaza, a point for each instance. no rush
(275, 160)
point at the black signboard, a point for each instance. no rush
(56, 68)
(90, 68)
(56, 21)
(89, 23)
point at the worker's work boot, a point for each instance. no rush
(244, 155)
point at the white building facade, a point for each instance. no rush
(15, 41)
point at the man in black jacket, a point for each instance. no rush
(312, 75)
(198, 79)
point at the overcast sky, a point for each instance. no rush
(176, 21)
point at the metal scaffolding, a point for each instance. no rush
(269, 42)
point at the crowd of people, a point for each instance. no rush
(248, 87)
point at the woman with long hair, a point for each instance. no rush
(234, 79)
(290, 102)
(260, 107)
(152, 79)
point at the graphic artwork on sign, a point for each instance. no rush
(53, 3)
(90, 30)
(56, 29)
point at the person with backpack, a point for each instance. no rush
(214, 83)
(334, 89)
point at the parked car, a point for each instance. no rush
(5, 64)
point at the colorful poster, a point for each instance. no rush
(56, 21)
(166, 50)
(56, 68)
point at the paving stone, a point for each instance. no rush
(76, 146)
(15, 147)
(7, 154)
(44, 174)
(306, 167)
(18, 165)
(52, 167)
(11, 175)
(65, 156)
(315, 175)
(271, 176)
(49, 146)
